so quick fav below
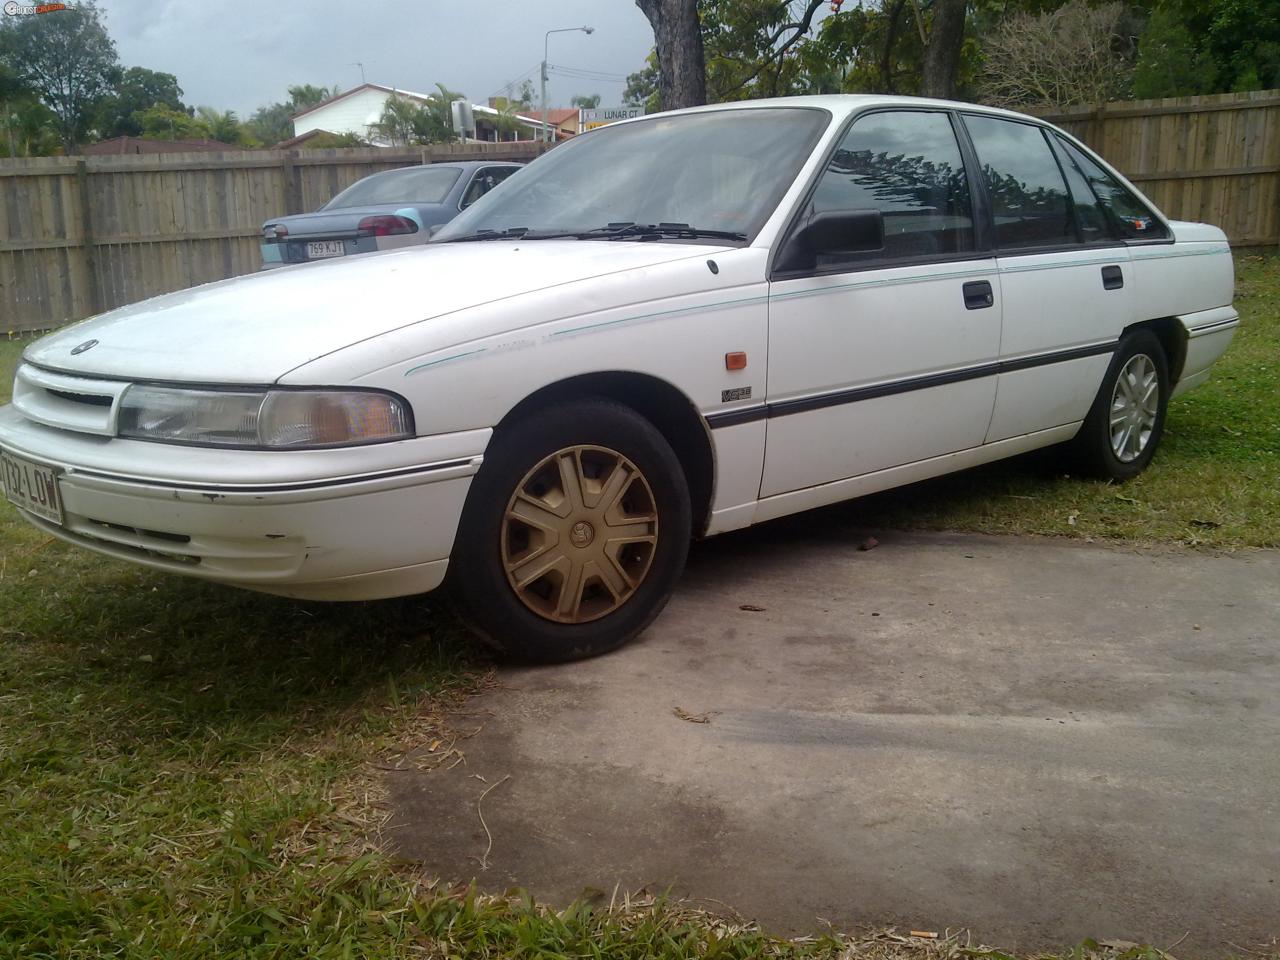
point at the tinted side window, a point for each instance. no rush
(1091, 219)
(484, 181)
(1028, 197)
(1128, 215)
(907, 165)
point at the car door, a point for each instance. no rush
(1065, 279)
(884, 356)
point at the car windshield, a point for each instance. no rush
(414, 185)
(720, 173)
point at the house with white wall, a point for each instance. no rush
(357, 110)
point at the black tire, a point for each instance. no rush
(478, 574)
(1093, 449)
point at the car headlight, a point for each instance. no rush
(272, 419)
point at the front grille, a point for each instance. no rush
(92, 399)
(65, 402)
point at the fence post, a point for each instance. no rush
(292, 186)
(86, 231)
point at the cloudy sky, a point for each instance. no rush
(241, 54)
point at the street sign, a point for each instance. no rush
(600, 116)
(463, 119)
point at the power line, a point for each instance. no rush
(510, 86)
(582, 72)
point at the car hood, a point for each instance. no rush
(256, 328)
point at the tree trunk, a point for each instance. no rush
(942, 56)
(682, 72)
(894, 15)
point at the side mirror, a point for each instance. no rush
(833, 232)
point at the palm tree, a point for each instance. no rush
(223, 125)
(405, 121)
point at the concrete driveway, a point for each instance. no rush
(1037, 740)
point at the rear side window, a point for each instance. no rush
(484, 181)
(1093, 222)
(1129, 216)
(1028, 195)
(908, 166)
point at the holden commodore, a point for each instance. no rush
(664, 329)
(395, 208)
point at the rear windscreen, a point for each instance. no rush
(414, 185)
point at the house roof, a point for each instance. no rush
(414, 95)
(135, 145)
(299, 140)
(355, 90)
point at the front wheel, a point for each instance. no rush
(574, 534)
(1120, 435)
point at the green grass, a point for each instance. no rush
(187, 770)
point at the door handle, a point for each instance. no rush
(1112, 278)
(978, 295)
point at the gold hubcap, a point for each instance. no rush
(579, 534)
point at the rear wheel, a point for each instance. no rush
(1120, 435)
(574, 533)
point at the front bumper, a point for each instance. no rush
(354, 523)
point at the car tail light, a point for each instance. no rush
(386, 225)
(275, 231)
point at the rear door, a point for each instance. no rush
(1065, 278)
(885, 357)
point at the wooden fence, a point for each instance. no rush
(1213, 158)
(79, 235)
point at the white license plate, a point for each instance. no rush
(31, 486)
(320, 249)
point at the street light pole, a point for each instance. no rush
(546, 132)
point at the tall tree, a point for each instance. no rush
(271, 124)
(68, 59)
(642, 86)
(134, 90)
(677, 33)
(768, 48)
(751, 46)
(1234, 43)
(161, 122)
(942, 49)
(306, 95)
(1170, 61)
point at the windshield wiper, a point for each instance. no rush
(511, 233)
(643, 231)
(612, 231)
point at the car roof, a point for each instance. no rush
(843, 104)
(463, 165)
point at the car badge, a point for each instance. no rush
(87, 345)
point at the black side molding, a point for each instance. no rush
(782, 408)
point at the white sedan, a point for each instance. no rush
(667, 328)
